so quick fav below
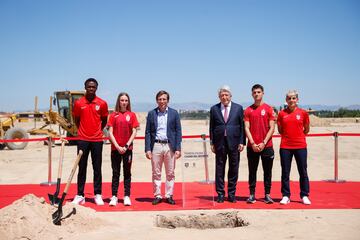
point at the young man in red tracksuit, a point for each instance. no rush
(90, 113)
(259, 127)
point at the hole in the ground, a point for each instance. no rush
(201, 221)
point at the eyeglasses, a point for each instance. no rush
(291, 98)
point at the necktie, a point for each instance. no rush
(226, 114)
(225, 118)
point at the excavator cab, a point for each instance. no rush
(65, 102)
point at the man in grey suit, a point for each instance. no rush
(227, 138)
(163, 145)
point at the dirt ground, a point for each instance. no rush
(30, 165)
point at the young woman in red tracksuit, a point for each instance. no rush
(123, 125)
(293, 125)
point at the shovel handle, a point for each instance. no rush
(63, 141)
(73, 171)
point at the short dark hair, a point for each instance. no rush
(161, 92)
(256, 86)
(91, 80)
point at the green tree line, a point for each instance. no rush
(340, 113)
(195, 115)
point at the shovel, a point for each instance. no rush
(54, 199)
(56, 216)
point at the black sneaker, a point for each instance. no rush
(170, 200)
(220, 199)
(251, 199)
(268, 199)
(156, 201)
(232, 199)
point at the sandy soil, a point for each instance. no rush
(264, 224)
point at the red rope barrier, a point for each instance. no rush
(23, 140)
(349, 134)
(320, 135)
(184, 137)
(194, 136)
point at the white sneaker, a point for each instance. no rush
(78, 200)
(127, 201)
(113, 201)
(98, 200)
(306, 200)
(285, 200)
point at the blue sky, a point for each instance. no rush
(189, 48)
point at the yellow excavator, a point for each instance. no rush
(63, 118)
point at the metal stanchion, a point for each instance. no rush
(207, 180)
(192, 169)
(49, 182)
(336, 160)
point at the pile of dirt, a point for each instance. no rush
(31, 218)
(202, 221)
(319, 122)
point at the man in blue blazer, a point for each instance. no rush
(163, 145)
(227, 137)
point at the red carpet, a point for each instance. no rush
(324, 195)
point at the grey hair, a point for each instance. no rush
(291, 93)
(224, 88)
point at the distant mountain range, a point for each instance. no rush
(145, 107)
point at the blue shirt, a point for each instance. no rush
(162, 125)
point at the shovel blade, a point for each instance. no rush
(57, 216)
(54, 199)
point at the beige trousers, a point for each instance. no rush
(162, 154)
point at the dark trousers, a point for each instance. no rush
(116, 159)
(96, 156)
(267, 159)
(301, 162)
(234, 158)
